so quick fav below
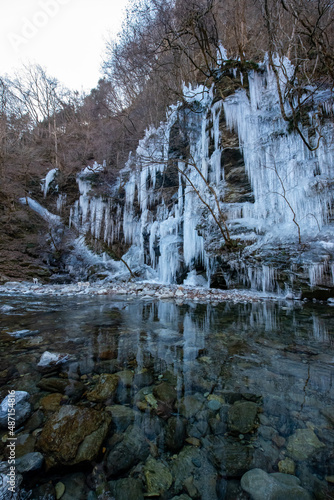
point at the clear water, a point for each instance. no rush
(279, 356)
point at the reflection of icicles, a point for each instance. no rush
(320, 330)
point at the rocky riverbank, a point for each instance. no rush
(144, 290)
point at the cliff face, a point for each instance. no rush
(222, 193)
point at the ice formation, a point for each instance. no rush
(292, 188)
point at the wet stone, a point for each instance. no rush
(143, 379)
(51, 402)
(73, 435)
(125, 378)
(158, 477)
(242, 417)
(22, 408)
(60, 490)
(287, 466)
(129, 452)
(303, 443)
(30, 462)
(127, 489)
(75, 487)
(121, 416)
(165, 392)
(25, 444)
(35, 421)
(230, 457)
(105, 388)
(263, 486)
(69, 387)
(175, 434)
(189, 406)
(45, 491)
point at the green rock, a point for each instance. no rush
(158, 477)
(165, 392)
(302, 444)
(105, 388)
(127, 489)
(242, 417)
(287, 466)
(60, 490)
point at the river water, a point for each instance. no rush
(196, 394)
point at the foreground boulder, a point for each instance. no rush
(73, 435)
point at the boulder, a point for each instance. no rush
(263, 486)
(73, 435)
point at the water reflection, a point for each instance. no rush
(190, 362)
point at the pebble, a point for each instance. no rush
(60, 490)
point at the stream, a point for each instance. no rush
(133, 398)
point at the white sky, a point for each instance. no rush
(67, 37)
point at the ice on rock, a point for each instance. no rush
(292, 186)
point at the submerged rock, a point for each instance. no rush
(158, 477)
(30, 462)
(229, 456)
(263, 486)
(132, 449)
(127, 489)
(302, 444)
(287, 466)
(73, 435)
(105, 388)
(51, 360)
(192, 463)
(121, 416)
(190, 405)
(68, 387)
(19, 402)
(242, 417)
(175, 434)
(165, 392)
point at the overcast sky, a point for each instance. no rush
(67, 37)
